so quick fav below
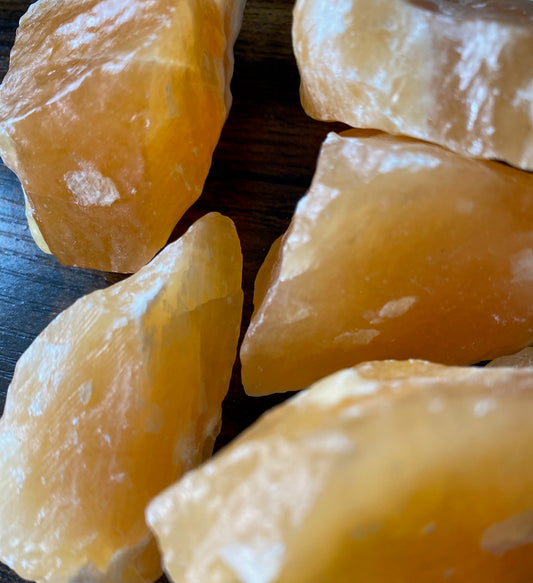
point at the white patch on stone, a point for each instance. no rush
(254, 563)
(185, 451)
(411, 161)
(18, 476)
(299, 311)
(352, 412)
(334, 388)
(508, 534)
(484, 406)
(141, 302)
(85, 391)
(36, 407)
(331, 443)
(522, 265)
(396, 308)
(332, 22)
(362, 336)
(90, 187)
(524, 99)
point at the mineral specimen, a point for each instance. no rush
(109, 116)
(117, 398)
(456, 73)
(401, 249)
(390, 471)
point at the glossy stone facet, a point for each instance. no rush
(116, 399)
(401, 249)
(389, 471)
(109, 115)
(459, 74)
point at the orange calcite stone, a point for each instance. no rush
(109, 115)
(401, 249)
(117, 398)
(390, 471)
(456, 73)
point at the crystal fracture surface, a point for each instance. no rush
(390, 471)
(459, 74)
(109, 116)
(401, 249)
(115, 399)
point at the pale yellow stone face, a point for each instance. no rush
(400, 249)
(389, 471)
(459, 74)
(117, 398)
(109, 115)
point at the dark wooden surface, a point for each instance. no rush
(262, 166)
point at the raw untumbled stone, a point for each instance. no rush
(389, 471)
(401, 249)
(109, 115)
(456, 73)
(116, 399)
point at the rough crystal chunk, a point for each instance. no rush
(401, 249)
(459, 74)
(390, 471)
(117, 398)
(109, 115)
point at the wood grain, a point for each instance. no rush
(262, 166)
